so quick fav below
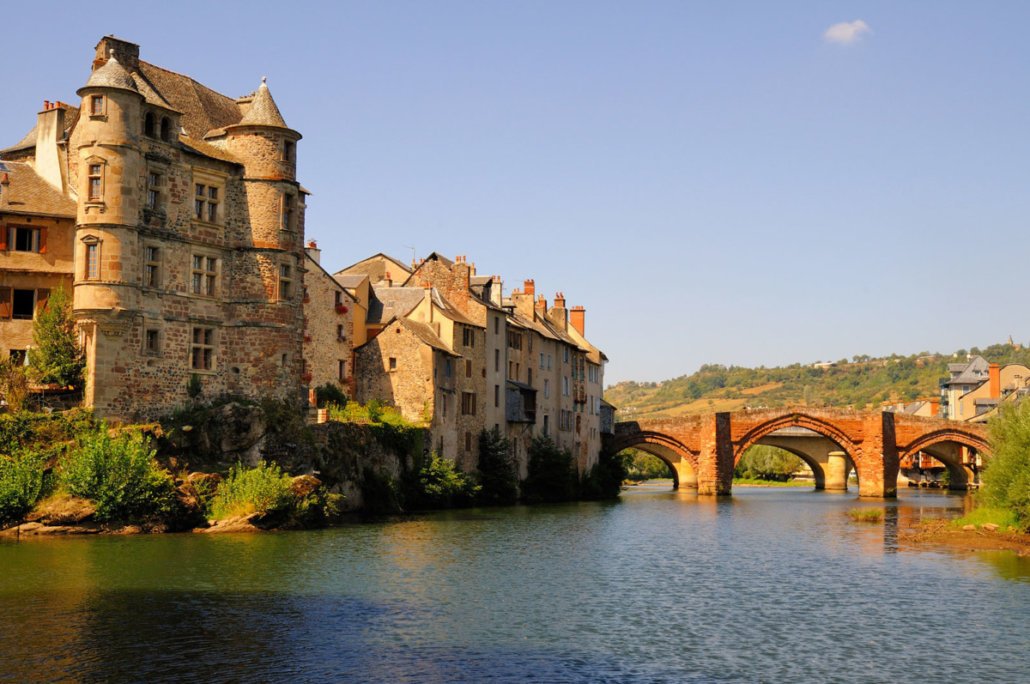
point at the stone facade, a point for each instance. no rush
(187, 255)
(329, 311)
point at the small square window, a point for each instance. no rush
(96, 105)
(392, 364)
(152, 341)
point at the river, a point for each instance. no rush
(773, 585)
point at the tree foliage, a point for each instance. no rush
(762, 462)
(1006, 477)
(498, 476)
(551, 473)
(56, 356)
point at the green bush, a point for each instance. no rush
(439, 483)
(498, 474)
(551, 473)
(21, 485)
(605, 479)
(264, 489)
(119, 475)
(1006, 476)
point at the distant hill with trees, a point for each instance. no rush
(861, 382)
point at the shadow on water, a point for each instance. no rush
(198, 636)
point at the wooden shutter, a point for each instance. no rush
(5, 302)
(42, 240)
(42, 297)
(3, 238)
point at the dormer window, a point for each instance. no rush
(166, 129)
(96, 105)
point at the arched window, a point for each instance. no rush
(166, 129)
(148, 125)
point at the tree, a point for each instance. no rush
(551, 473)
(56, 356)
(498, 476)
(1006, 478)
(767, 463)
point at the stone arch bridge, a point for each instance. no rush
(704, 449)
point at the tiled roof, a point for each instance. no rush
(263, 110)
(202, 109)
(111, 75)
(207, 149)
(27, 193)
(448, 309)
(350, 280)
(71, 117)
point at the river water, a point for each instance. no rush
(774, 585)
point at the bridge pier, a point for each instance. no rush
(715, 476)
(836, 471)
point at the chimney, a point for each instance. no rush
(387, 279)
(578, 319)
(559, 300)
(50, 131)
(541, 306)
(529, 287)
(125, 52)
(995, 380)
(313, 251)
(935, 407)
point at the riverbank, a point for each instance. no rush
(945, 534)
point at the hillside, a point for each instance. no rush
(860, 383)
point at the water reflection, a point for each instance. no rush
(771, 585)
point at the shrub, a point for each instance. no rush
(21, 485)
(868, 515)
(263, 489)
(330, 394)
(551, 475)
(498, 476)
(1006, 477)
(119, 474)
(605, 479)
(439, 483)
(14, 384)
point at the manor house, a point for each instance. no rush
(174, 214)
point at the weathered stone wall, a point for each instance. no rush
(328, 330)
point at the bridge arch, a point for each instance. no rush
(794, 419)
(944, 445)
(681, 460)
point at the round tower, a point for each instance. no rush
(110, 163)
(274, 201)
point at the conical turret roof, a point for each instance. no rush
(263, 110)
(111, 75)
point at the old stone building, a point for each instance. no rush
(450, 351)
(329, 311)
(187, 256)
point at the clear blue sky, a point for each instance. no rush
(715, 182)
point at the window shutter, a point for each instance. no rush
(3, 238)
(5, 302)
(42, 240)
(42, 297)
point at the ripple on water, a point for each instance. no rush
(774, 585)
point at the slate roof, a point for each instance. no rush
(974, 372)
(202, 108)
(449, 310)
(350, 280)
(71, 117)
(27, 193)
(392, 302)
(263, 110)
(111, 75)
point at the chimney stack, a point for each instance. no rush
(49, 133)
(577, 316)
(995, 380)
(935, 407)
(529, 287)
(313, 251)
(541, 306)
(387, 279)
